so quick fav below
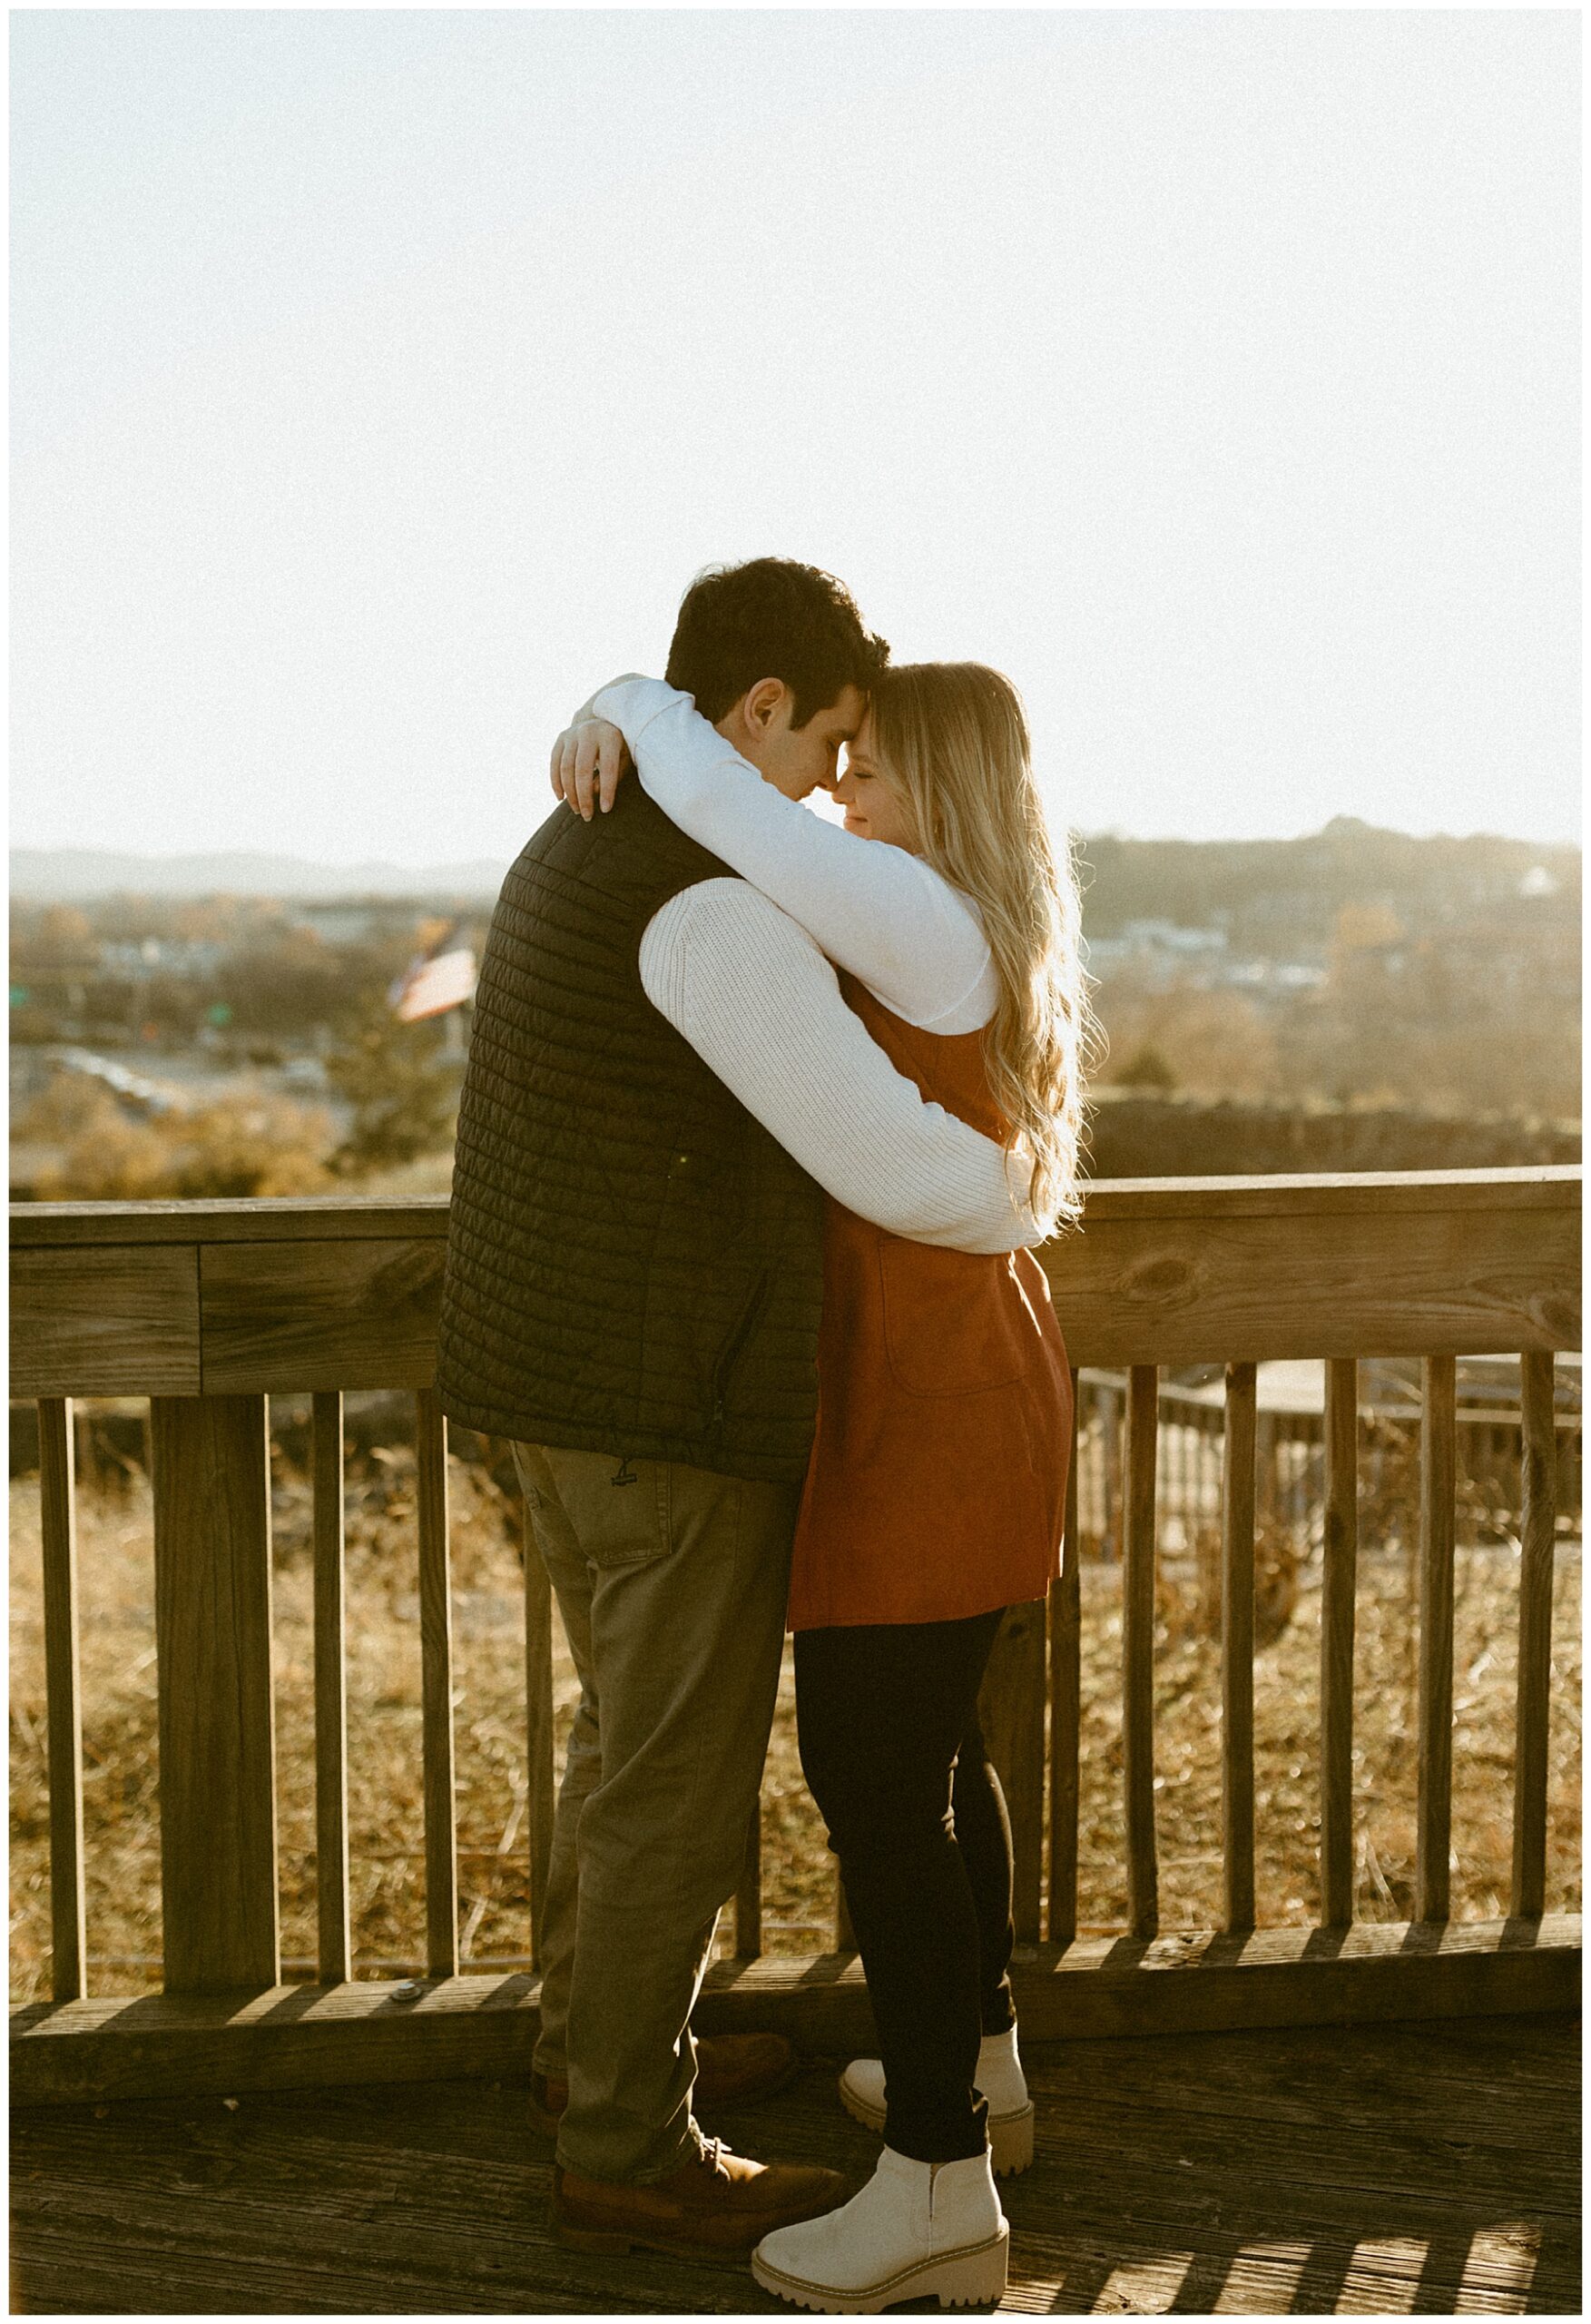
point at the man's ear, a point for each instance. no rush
(762, 703)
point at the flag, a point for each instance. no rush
(434, 981)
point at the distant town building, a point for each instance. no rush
(355, 920)
(1165, 953)
(161, 955)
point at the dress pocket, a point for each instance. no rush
(955, 1323)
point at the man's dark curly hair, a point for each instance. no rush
(770, 619)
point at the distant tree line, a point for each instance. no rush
(1445, 980)
(1283, 895)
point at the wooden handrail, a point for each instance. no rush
(285, 1218)
(209, 1307)
(222, 1298)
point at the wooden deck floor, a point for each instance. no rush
(1427, 2169)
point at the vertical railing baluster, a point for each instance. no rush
(1537, 1529)
(844, 1934)
(1168, 1483)
(1576, 1449)
(542, 1791)
(437, 1686)
(334, 1945)
(1237, 1646)
(220, 1913)
(1472, 1467)
(748, 1892)
(1011, 1710)
(1110, 1456)
(1265, 1467)
(1339, 1566)
(1436, 1512)
(1514, 1470)
(63, 1712)
(1065, 1637)
(1138, 1650)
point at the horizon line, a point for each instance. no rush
(368, 864)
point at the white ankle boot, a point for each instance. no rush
(1000, 2079)
(917, 2229)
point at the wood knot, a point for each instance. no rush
(1169, 1277)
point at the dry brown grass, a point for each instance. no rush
(253, 1142)
(116, 1571)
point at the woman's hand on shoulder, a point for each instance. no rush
(591, 756)
(589, 760)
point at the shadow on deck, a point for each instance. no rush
(1417, 2167)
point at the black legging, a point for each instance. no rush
(894, 1756)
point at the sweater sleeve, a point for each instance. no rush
(759, 1002)
(913, 940)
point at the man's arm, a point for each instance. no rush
(757, 1001)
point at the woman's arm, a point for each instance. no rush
(913, 939)
(759, 1002)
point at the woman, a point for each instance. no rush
(936, 1489)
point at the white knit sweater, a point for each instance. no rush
(913, 940)
(745, 979)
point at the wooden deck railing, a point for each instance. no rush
(208, 1308)
(1290, 1454)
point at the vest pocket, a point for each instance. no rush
(730, 1355)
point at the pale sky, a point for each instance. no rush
(379, 380)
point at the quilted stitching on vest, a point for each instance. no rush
(633, 1264)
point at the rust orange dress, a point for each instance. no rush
(937, 1486)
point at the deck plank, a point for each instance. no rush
(1425, 2168)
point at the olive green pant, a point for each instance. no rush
(673, 1584)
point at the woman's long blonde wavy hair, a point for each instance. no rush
(954, 737)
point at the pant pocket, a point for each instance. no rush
(621, 1508)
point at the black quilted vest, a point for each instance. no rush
(634, 1266)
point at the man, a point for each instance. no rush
(664, 1079)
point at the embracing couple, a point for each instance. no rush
(761, 1119)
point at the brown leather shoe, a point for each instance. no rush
(732, 2069)
(719, 2203)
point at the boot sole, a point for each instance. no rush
(1010, 2135)
(972, 2278)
